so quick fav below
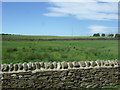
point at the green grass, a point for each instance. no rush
(112, 87)
(36, 51)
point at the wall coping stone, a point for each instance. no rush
(53, 66)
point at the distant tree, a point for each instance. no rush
(3, 34)
(117, 35)
(96, 35)
(110, 35)
(103, 35)
(6, 34)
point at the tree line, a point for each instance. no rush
(106, 35)
(94, 35)
(6, 34)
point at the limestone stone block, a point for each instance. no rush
(20, 66)
(51, 66)
(82, 64)
(107, 63)
(111, 63)
(30, 66)
(55, 64)
(59, 65)
(34, 66)
(76, 64)
(98, 62)
(102, 62)
(15, 67)
(42, 64)
(25, 66)
(38, 66)
(88, 64)
(93, 64)
(70, 64)
(11, 67)
(0, 67)
(46, 65)
(5, 67)
(64, 65)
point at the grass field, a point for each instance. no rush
(79, 50)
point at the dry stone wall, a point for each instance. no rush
(61, 75)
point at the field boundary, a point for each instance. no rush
(43, 66)
(61, 75)
(14, 39)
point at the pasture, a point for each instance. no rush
(45, 51)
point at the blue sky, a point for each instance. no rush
(59, 19)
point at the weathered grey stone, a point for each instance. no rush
(82, 64)
(84, 79)
(55, 64)
(0, 67)
(107, 82)
(102, 63)
(88, 64)
(76, 64)
(96, 86)
(42, 64)
(107, 63)
(59, 65)
(11, 67)
(117, 62)
(70, 64)
(30, 66)
(99, 62)
(38, 66)
(16, 67)
(50, 65)
(70, 74)
(93, 64)
(25, 66)
(20, 66)
(20, 76)
(13, 75)
(112, 84)
(63, 79)
(46, 65)
(64, 65)
(111, 63)
(89, 86)
(34, 66)
(5, 67)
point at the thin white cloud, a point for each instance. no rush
(102, 29)
(58, 0)
(83, 0)
(79, 10)
(55, 14)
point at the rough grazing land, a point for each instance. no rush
(61, 76)
(46, 51)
